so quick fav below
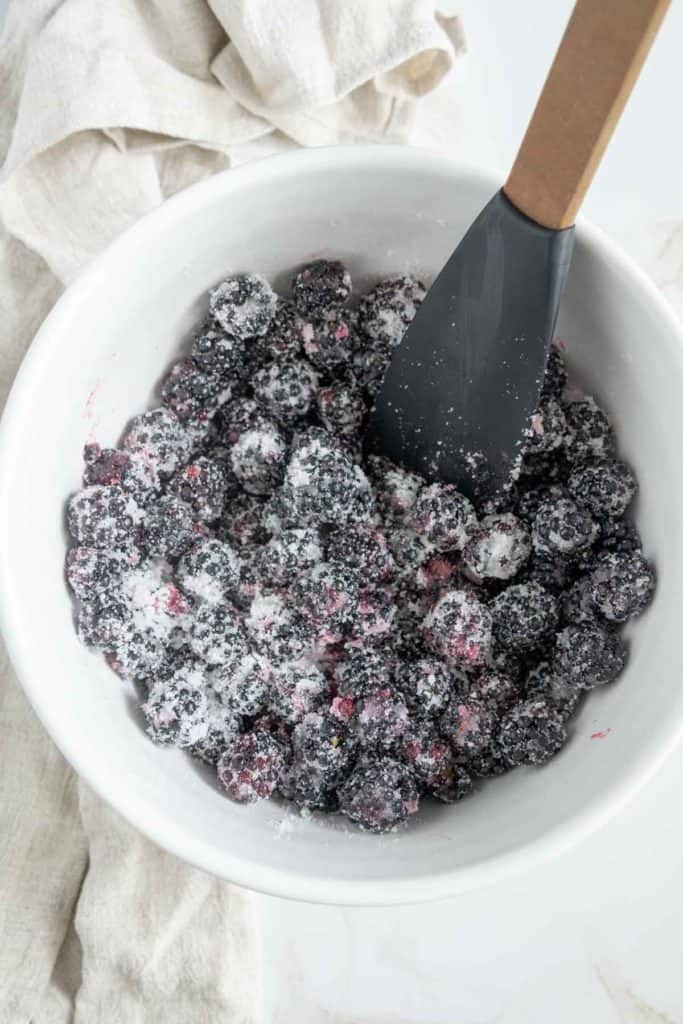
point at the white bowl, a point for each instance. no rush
(95, 362)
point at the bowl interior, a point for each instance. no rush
(96, 363)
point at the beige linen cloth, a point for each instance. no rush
(106, 108)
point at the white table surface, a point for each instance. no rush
(595, 937)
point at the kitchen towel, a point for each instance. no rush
(106, 109)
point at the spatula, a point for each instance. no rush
(466, 378)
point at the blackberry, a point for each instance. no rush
(92, 571)
(243, 683)
(458, 629)
(606, 489)
(170, 528)
(243, 521)
(244, 306)
(396, 489)
(622, 585)
(130, 470)
(498, 548)
(363, 548)
(524, 616)
(552, 572)
(216, 629)
(176, 709)
(237, 417)
(258, 458)
(468, 726)
(369, 367)
(203, 485)
(386, 311)
(531, 733)
(492, 689)
(161, 438)
(426, 685)
(323, 747)
(279, 631)
(103, 517)
(411, 551)
(589, 656)
(217, 353)
(444, 517)
(530, 499)
(192, 392)
(361, 672)
(307, 789)
(136, 655)
(329, 343)
(102, 620)
(210, 571)
(563, 528)
(328, 595)
(546, 429)
(297, 689)
(322, 485)
(341, 408)
(251, 766)
(555, 380)
(222, 729)
(577, 607)
(321, 287)
(286, 389)
(431, 760)
(558, 691)
(376, 614)
(619, 535)
(283, 338)
(380, 719)
(379, 795)
(289, 554)
(589, 434)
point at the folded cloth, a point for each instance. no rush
(108, 108)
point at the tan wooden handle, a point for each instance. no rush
(601, 53)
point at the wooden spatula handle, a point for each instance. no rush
(596, 66)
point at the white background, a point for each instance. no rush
(596, 936)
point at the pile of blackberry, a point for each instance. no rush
(325, 626)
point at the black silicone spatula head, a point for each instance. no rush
(466, 378)
(464, 381)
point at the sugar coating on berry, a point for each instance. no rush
(203, 485)
(251, 766)
(622, 585)
(103, 517)
(606, 489)
(282, 340)
(321, 287)
(363, 547)
(444, 517)
(243, 684)
(555, 380)
(324, 747)
(543, 682)
(531, 733)
(425, 684)
(278, 630)
(244, 306)
(222, 728)
(216, 631)
(258, 458)
(328, 595)
(192, 391)
(176, 709)
(468, 725)
(380, 719)
(458, 629)
(286, 389)
(90, 571)
(289, 554)
(547, 427)
(396, 489)
(563, 527)
(243, 521)
(589, 434)
(589, 655)
(328, 343)
(218, 353)
(360, 672)
(492, 689)
(170, 528)
(388, 309)
(160, 437)
(323, 485)
(210, 571)
(129, 470)
(524, 616)
(379, 795)
(297, 688)
(498, 548)
(341, 407)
